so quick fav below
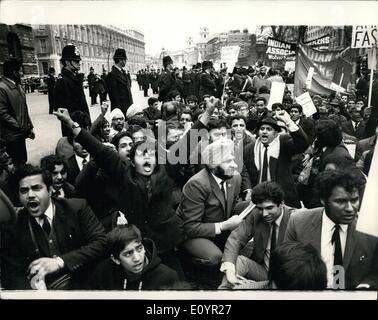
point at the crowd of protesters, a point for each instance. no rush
(207, 187)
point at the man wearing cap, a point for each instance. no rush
(207, 81)
(269, 158)
(68, 91)
(91, 84)
(167, 81)
(51, 80)
(117, 122)
(15, 123)
(119, 84)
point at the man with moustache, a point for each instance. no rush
(351, 257)
(119, 84)
(261, 79)
(269, 157)
(51, 237)
(15, 123)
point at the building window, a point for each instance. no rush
(43, 45)
(45, 68)
(58, 46)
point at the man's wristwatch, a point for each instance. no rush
(75, 125)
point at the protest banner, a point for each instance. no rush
(229, 55)
(280, 50)
(320, 43)
(276, 93)
(324, 64)
(306, 102)
(372, 59)
(368, 217)
(364, 36)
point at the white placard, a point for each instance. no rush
(230, 55)
(310, 74)
(364, 36)
(372, 59)
(276, 93)
(306, 102)
(368, 217)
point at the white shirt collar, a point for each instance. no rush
(79, 161)
(120, 69)
(49, 214)
(329, 225)
(279, 219)
(218, 180)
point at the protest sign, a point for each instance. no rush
(372, 59)
(364, 36)
(280, 50)
(324, 64)
(309, 77)
(276, 93)
(368, 217)
(320, 43)
(229, 55)
(306, 102)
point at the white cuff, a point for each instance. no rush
(60, 262)
(226, 266)
(363, 286)
(218, 229)
(292, 127)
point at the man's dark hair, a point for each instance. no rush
(10, 66)
(264, 89)
(329, 179)
(172, 94)
(260, 98)
(328, 133)
(120, 236)
(133, 128)
(119, 136)
(138, 121)
(217, 124)
(236, 117)
(297, 106)
(49, 162)
(144, 145)
(192, 98)
(277, 105)
(267, 190)
(297, 266)
(186, 112)
(151, 101)
(27, 170)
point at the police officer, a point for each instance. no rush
(68, 91)
(119, 83)
(167, 81)
(51, 81)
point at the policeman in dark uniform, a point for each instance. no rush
(51, 81)
(167, 81)
(91, 84)
(68, 91)
(119, 83)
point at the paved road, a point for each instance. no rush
(47, 127)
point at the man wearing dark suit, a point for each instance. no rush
(207, 81)
(77, 161)
(58, 170)
(119, 84)
(68, 91)
(208, 202)
(51, 237)
(269, 157)
(166, 81)
(356, 125)
(307, 124)
(266, 224)
(365, 145)
(51, 80)
(351, 257)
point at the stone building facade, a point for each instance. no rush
(96, 44)
(17, 41)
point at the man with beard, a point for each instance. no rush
(68, 91)
(266, 224)
(269, 158)
(119, 84)
(261, 79)
(117, 122)
(58, 170)
(351, 257)
(51, 237)
(208, 202)
(15, 123)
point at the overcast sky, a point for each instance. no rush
(168, 23)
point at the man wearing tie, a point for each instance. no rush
(266, 225)
(269, 158)
(119, 83)
(51, 237)
(58, 170)
(356, 125)
(351, 257)
(208, 202)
